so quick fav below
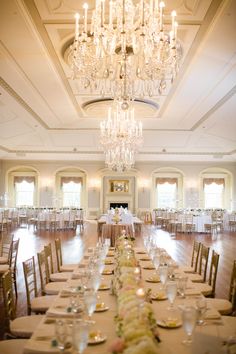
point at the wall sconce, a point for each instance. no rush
(144, 184)
(94, 184)
(47, 183)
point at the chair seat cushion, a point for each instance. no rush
(62, 276)
(68, 267)
(203, 288)
(223, 306)
(55, 287)
(24, 326)
(42, 303)
(196, 278)
(13, 346)
(4, 268)
(186, 269)
(3, 260)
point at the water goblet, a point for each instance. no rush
(201, 305)
(163, 272)
(171, 292)
(182, 284)
(61, 334)
(80, 335)
(189, 317)
(90, 300)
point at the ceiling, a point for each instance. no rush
(44, 115)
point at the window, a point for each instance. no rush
(71, 191)
(24, 192)
(166, 192)
(213, 192)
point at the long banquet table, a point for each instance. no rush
(207, 339)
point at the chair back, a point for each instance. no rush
(30, 281)
(204, 256)
(8, 297)
(232, 288)
(6, 246)
(213, 271)
(48, 258)
(58, 253)
(14, 254)
(195, 255)
(43, 271)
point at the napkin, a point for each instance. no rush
(212, 314)
(59, 312)
(192, 292)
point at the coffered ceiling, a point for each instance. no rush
(45, 115)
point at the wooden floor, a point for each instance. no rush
(73, 243)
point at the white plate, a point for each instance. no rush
(169, 324)
(100, 338)
(107, 272)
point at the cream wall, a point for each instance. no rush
(95, 172)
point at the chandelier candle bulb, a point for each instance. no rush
(110, 13)
(151, 7)
(85, 7)
(173, 16)
(175, 30)
(77, 26)
(162, 5)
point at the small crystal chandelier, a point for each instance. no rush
(121, 137)
(131, 44)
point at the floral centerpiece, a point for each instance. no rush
(135, 321)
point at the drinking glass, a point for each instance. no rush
(90, 300)
(163, 272)
(201, 305)
(182, 284)
(189, 317)
(171, 292)
(95, 280)
(61, 334)
(80, 335)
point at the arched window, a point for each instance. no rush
(71, 191)
(216, 188)
(168, 188)
(24, 191)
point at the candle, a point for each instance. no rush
(151, 7)
(102, 12)
(77, 26)
(140, 293)
(142, 12)
(85, 16)
(175, 31)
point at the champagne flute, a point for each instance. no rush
(80, 336)
(171, 292)
(201, 310)
(61, 334)
(90, 300)
(189, 317)
(182, 284)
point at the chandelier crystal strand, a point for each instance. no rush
(121, 137)
(134, 40)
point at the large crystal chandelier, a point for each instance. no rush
(131, 43)
(121, 136)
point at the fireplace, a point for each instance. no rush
(119, 205)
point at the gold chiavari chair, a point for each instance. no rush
(194, 259)
(21, 327)
(35, 303)
(47, 287)
(60, 266)
(54, 276)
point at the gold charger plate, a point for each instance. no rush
(107, 272)
(96, 337)
(169, 323)
(104, 287)
(153, 279)
(145, 259)
(158, 296)
(101, 307)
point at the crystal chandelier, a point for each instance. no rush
(121, 136)
(131, 44)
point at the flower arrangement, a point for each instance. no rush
(135, 321)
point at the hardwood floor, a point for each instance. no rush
(179, 247)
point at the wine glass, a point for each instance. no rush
(201, 305)
(171, 292)
(80, 336)
(189, 317)
(95, 280)
(61, 334)
(90, 300)
(163, 272)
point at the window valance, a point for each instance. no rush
(20, 179)
(163, 180)
(77, 180)
(213, 180)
